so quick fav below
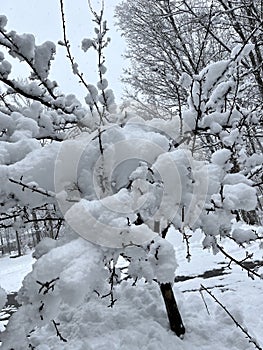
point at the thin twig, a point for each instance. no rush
(33, 188)
(47, 286)
(58, 332)
(243, 329)
(202, 296)
(239, 263)
(74, 65)
(112, 278)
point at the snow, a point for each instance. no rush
(44, 246)
(242, 236)
(105, 221)
(233, 179)
(185, 80)
(86, 44)
(43, 55)
(24, 44)
(102, 69)
(254, 160)
(107, 98)
(217, 97)
(138, 319)
(241, 50)
(240, 196)
(13, 271)
(5, 68)
(232, 138)
(209, 76)
(103, 84)
(3, 21)
(150, 261)
(31, 167)
(23, 47)
(221, 157)
(2, 298)
(24, 127)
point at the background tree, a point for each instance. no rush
(167, 38)
(171, 39)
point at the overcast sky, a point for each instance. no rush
(42, 18)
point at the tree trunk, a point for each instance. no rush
(174, 317)
(7, 237)
(2, 244)
(173, 314)
(36, 227)
(19, 252)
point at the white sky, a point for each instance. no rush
(42, 18)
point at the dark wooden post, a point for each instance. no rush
(173, 314)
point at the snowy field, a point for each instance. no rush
(12, 271)
(138, 319)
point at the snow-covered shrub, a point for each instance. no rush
(118, 183)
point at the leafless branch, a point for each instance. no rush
(33, 188)
(47, 286)
(58, 332)
(74, 65)
(112, 279)
(251, 273)
(242, 328)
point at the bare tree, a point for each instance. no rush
(165, 40)
(170, 41)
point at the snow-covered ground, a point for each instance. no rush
(13, 271)
(138, 320)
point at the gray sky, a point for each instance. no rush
(42, 18)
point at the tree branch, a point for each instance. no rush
(243, 329)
